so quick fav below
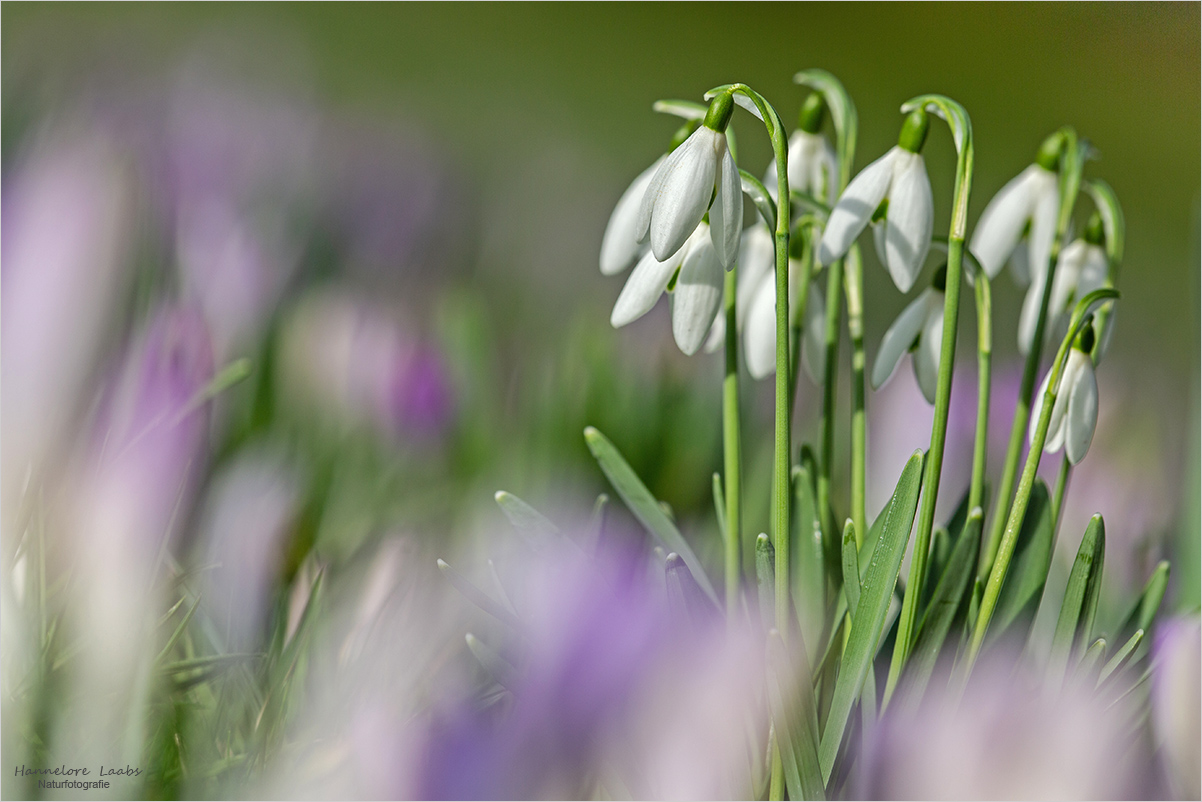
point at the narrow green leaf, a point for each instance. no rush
(720, 505)
(1093, 590)
(531, 524)
(796, 727)
(179, 630)
(851, 567)
(1121, 657)
(1075, 593)
(478, 597)
(492, 662)
(765, 578)
(1145, 607)
(644, 506)
(500, 589)
(209, 661)
(807, 558)
(597, 520)
(1091, 660)
(682, 590)
(875, 594)
(937, 621)
(1023, 586)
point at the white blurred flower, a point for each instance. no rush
(759, 338)
(680, 192)
(1075, 412)
(900, 178)
(812, 167)
(757, 256)
(620, 244)
(1027, 207)
(696, 295)
(1081, 269)
(919, 328)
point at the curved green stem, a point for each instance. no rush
(957, 119)
(853, 286)
(1072, 161)
(797, 322)
(834, 306)
(780, 463)
(980, 444)
(1066, 472)
(732, 454)
(1014, 521)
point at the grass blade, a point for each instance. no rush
(851, 567)
(644, 505)
(796, 726)
(1145, 607)
(493, 664)
(531, 524)
(765, 578)
(1072, 608)
(875, 593)
(1121, 656)
(478, 597)
(946, 600)
(1023, 586)
(807, 558)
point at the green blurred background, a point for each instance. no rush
(546, 110)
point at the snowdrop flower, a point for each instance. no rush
(679, 194)
(812, 163)
(759, 339)
(1026, 207)
(1081, 269)
(1075, 412)
(696, 290)
(919, 328)
(894, 188)
(620, 244)
(757, 257)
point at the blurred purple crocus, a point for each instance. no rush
(612, 687)
(66, 224)
(1177, 702)
(1010, 737)
(139, 469)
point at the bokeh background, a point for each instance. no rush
(412, 199)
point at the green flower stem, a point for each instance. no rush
(796, 325)
(980, 444)
(1014, 521)
(780, 463)
(957, 118)
(1066, 472)
(853, 285)
(1072, 161)
(732, 451)
(834, 305)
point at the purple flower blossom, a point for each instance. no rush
(1176, 701)
(613, 687)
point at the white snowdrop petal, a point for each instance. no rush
(899, 337)
(1056, 425)
(1036, 411)
(1028, 318)
(1081, 416)
(910, 220)
(1068, 275)
(1095, 269)
(930, 342)
(824, 176)
(855, 208)
(717, 336)
(759, 336)
(620, 243)
(643, 288)
(1001, 225)
(813, 343)
(1020, 264)
(726, 215)
(878, 244)
(680, 200)
(757, 257)
(696, 297)
(1043, 228)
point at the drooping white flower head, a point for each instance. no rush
(899, 181)
(759, 337)
(620, 245)
(1027, 207)
(679, 194)
(1075, 412)
(696, 295)
(918, 328)
(812, 167)
(1081, 269)
(757, 256)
